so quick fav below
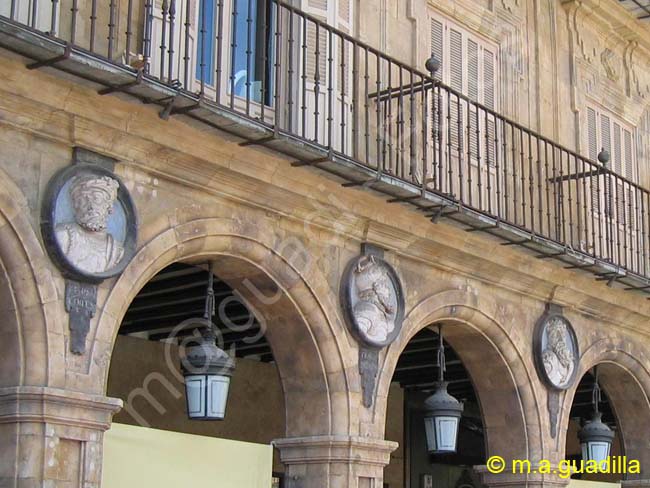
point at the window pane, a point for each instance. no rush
(206, 39)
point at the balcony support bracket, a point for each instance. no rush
(122, 88)
(255, 142)
(168, 107)
(311, 162)
(52, 61)
(485, 228)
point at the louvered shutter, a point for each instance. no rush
(456, 70)
(437, 46)
(316, 53)
(616, 205)
(473, 93)
(437, 49)
(618, 197)
(343, 70)
(592, 147)
(633, 210)
(630, 168)
(489, 79)
(468, 67)
(344, 23)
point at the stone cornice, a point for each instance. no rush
(55, 406)
(614, 18)
(333, 449)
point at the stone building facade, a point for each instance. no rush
(225, 187)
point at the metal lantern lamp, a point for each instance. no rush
(207, 369)
(596, 437)
(443, 412)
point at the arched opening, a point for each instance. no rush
(624, 408)
(145, 367)
(492, 421)
(32, 346)
(416, 374)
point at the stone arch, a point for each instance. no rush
(624, 375)
(32, 349)
(313, 365)
(511, 414)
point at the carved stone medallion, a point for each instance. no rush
(89, 227)
(88, 223)
(556, 349)
(373, 301)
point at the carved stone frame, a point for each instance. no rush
(553, 311)
(54, 188)
(346, 301)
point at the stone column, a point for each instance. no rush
(52, 437)
(527, 480)
(334, 461)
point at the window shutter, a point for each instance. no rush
(592, 146)
(630, 170)
(437, 45)
(591, 134)
(489, 81)
(605, 135)
(456, 82)
(456, 60)
(320, 10)
(617, 159)
(437, 50)
(345, 11)
(618, 198)
(344, 19)
(472, 70)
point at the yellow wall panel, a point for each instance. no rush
(150, 458)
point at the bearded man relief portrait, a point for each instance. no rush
(85, 241)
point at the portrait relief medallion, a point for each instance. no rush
(89, 223)
(556, 350)
(372, 300)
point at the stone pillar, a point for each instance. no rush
(334, 461)
(52, 437)
(527, 480)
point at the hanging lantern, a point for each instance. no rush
(596, 437)
(207, 369)
(443, 412)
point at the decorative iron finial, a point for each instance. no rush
(603, 156)
(432, 64)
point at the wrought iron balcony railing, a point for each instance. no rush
(313, 91)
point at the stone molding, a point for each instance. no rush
(39, 404)
(335, 449)
(520, 479)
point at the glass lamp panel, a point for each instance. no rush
(430, 430)
(446, 430)
(217, 396)
(585, 451)
(598, 451)
(195, 389)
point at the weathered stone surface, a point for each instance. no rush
(290, 231)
